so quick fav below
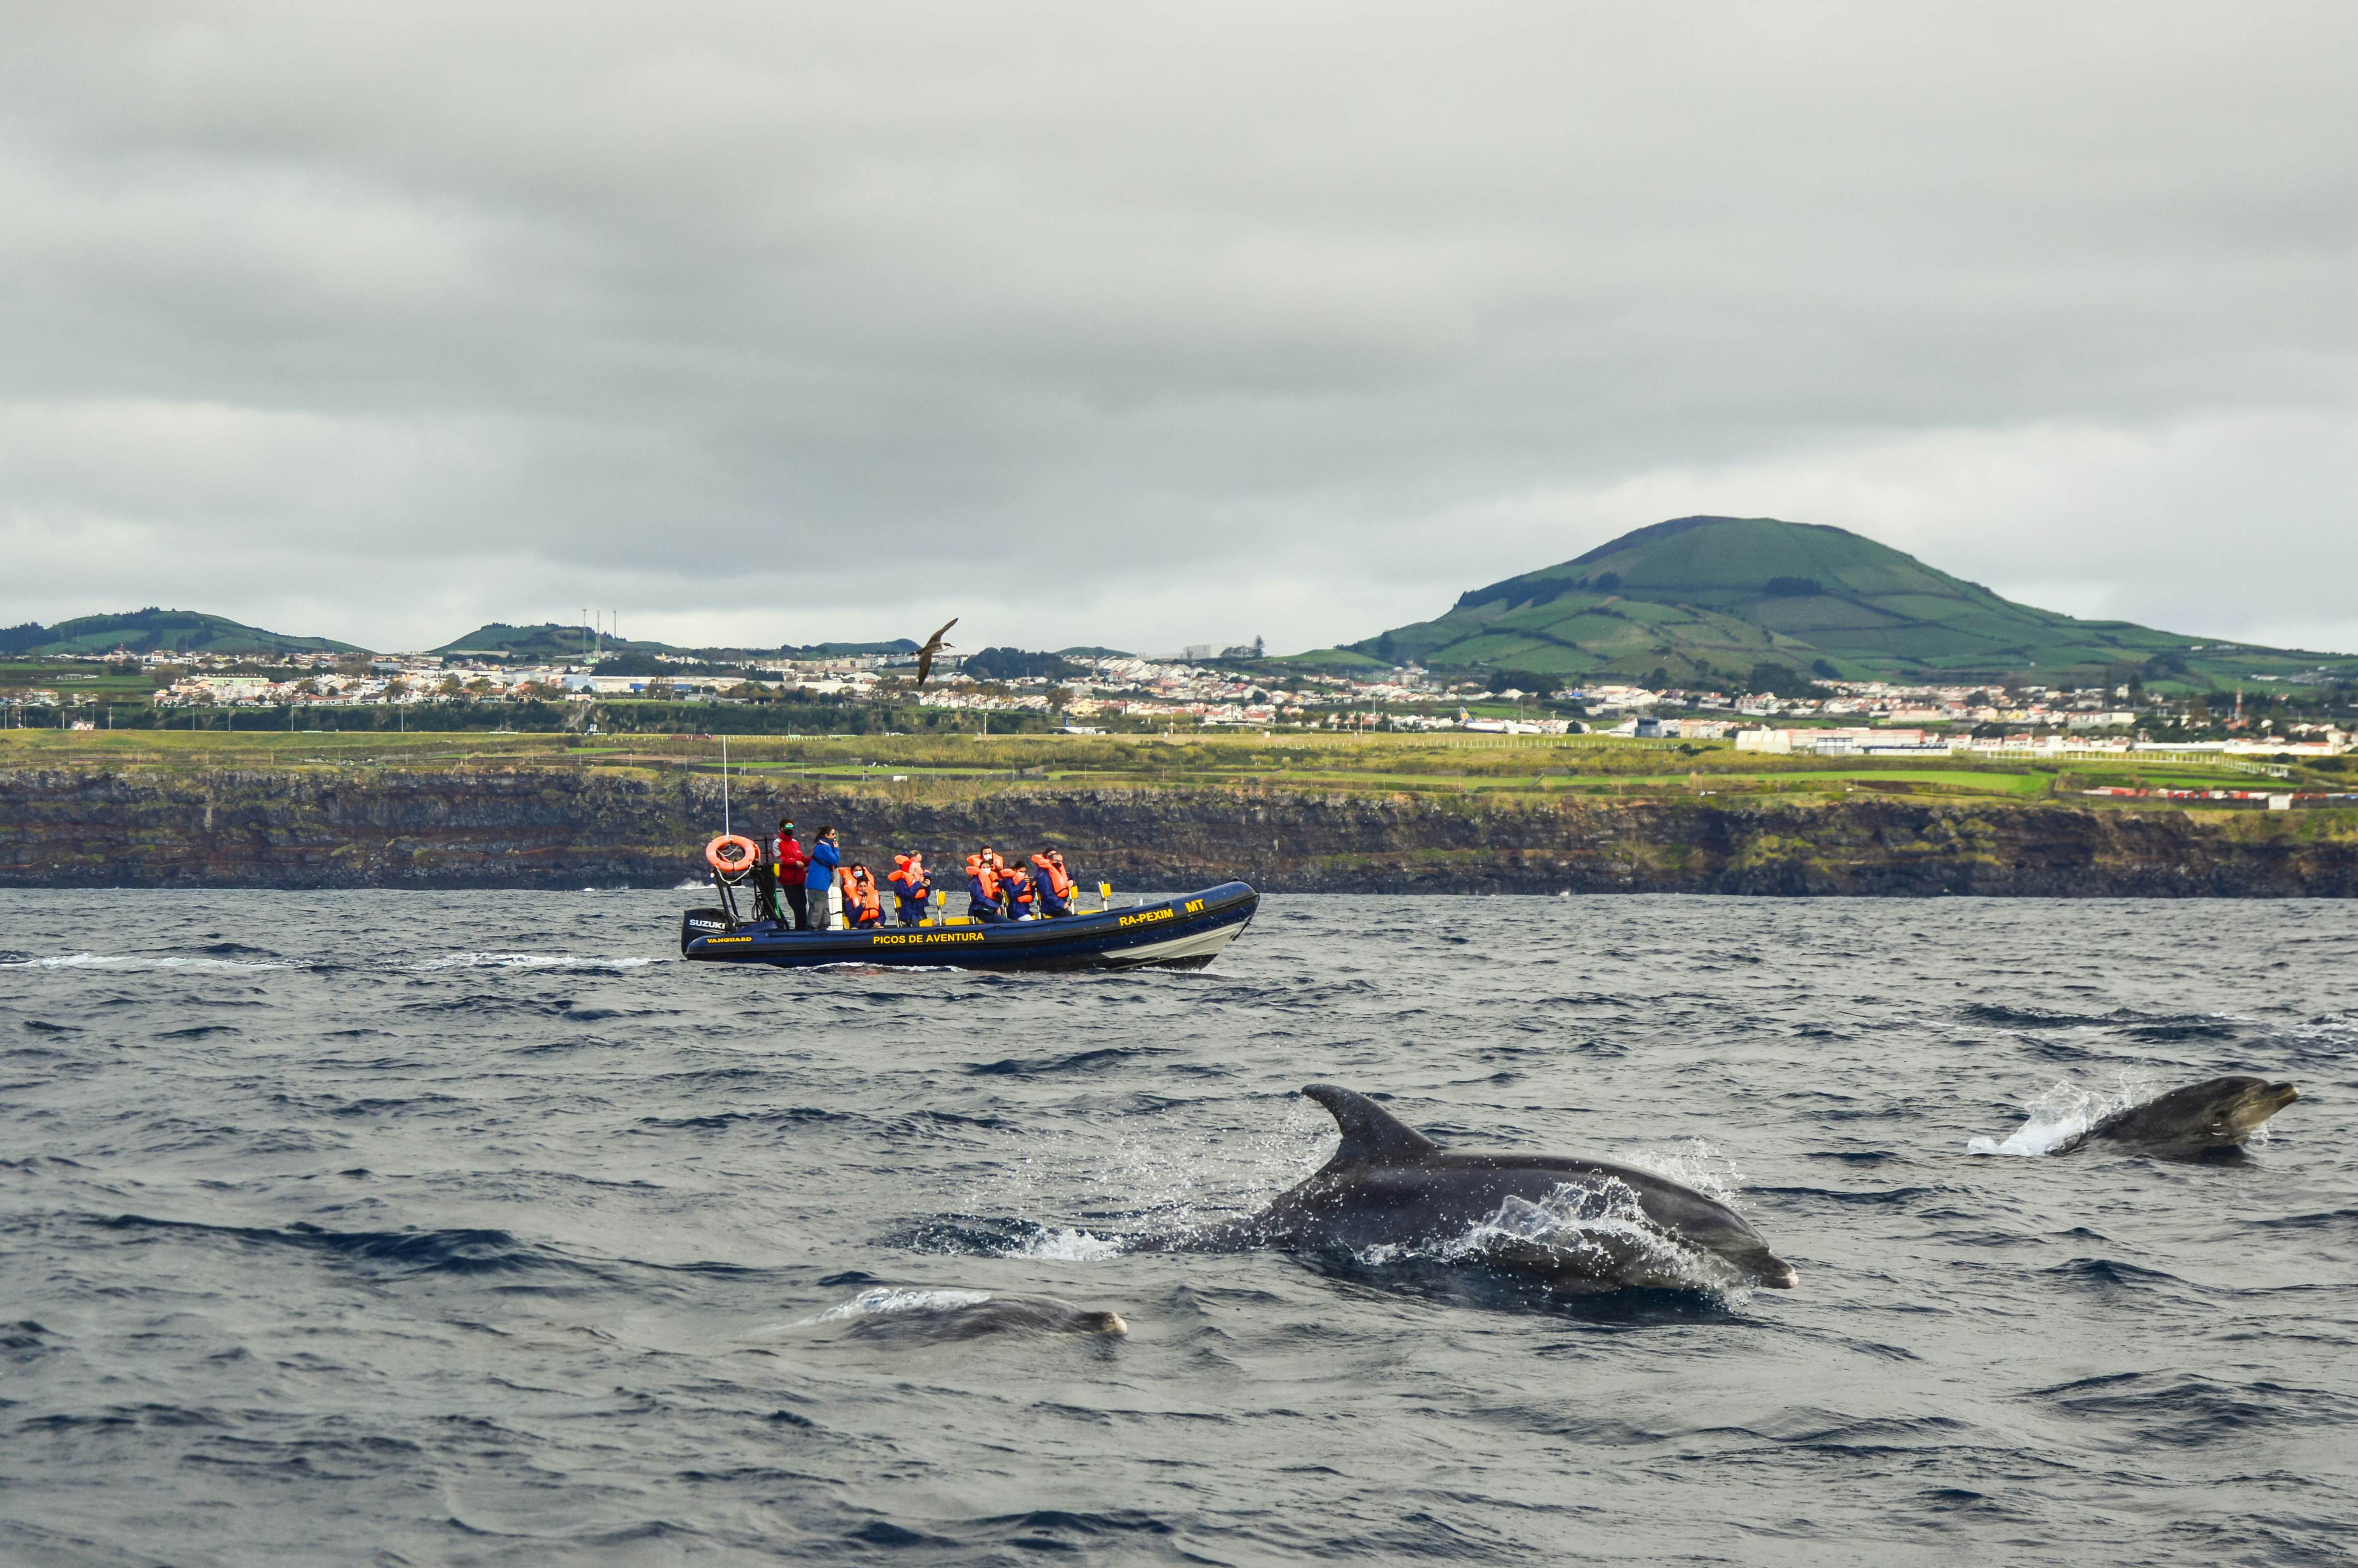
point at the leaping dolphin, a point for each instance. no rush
(1577, 1224)
(2202, 1118)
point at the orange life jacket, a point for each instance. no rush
(1019, 886)
(908, 874)
(1058, 882)
(976, 867)
(860, 897)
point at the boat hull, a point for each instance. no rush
(1185, 932)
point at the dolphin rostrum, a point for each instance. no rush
(1577, 1224)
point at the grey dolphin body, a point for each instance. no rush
(2200, 1118)
(995, 1314)
(1577, 1224)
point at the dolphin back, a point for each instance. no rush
(1548, 1216)
(1390, 1182)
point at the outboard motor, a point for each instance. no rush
(699, 923)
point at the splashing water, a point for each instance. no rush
(1600, 1228)
(1069, 1246)
(1696, 1163)
(2062, 1113)
(883, 1300)
(1176, 1186)
(530, 961)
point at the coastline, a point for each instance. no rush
(569, 826)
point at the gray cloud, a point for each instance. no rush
(771, 323)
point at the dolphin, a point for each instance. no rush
(992, 1315)
(2200, 1118)
(1575, 1224)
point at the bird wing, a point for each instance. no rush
(933, 644)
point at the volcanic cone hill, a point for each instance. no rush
(1705, 598)
(160, 631)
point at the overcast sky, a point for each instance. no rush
(1152, 325)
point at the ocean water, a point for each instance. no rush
(475, 1228)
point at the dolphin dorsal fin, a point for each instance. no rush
(1369, 1131)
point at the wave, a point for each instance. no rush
(2062, 1113)
(2109, 1274)
(1899, 1198)
(2340, 1219)
(2187, 1410)
(411, 1252)
(143, 961)
(2145, 1028)
(983, 1237)
(721, 1120)
(2167, 1031)
(532, 961)
(1080, 1061)
(2026, 1017)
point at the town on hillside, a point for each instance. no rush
(1089, 692)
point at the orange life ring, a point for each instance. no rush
(732, 853)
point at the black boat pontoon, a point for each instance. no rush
(1183, 933)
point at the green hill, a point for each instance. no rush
(152, 631)
(1701, 599)
(548, 642)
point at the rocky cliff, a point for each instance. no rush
(563, 826)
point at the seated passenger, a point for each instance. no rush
(982, 891)
(862, 902)
(1055, 884)
(911, 887)
(1022, 899)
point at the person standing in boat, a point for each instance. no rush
(787, 853)
(911, 887)
(818, 880)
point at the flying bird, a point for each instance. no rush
(934, 644)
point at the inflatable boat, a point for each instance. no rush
(1183, 933)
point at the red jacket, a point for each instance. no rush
(791, 859)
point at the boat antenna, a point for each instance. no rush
(724, 784)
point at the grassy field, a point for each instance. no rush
(77, 680)
(1601, 767)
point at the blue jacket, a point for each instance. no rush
(824, 858)
(979, 900)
